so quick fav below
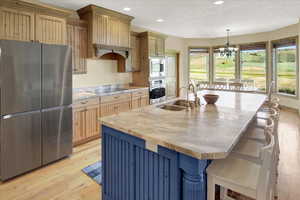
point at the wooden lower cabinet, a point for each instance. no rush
(86, 125)
(144, 101)
(138, 102)
(124, 106)
(107, 109)
(92, 124)
(78, 125)
(86, 114)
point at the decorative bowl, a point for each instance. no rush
(211, 98)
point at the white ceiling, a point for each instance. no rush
(201, 18)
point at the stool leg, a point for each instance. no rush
(211, 188)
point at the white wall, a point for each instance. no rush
(101, 72)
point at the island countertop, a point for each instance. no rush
(207, 132)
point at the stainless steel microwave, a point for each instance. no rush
(157, 67)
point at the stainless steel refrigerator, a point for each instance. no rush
(36, 112)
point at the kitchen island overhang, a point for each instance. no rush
(138, 164)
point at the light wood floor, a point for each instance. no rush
(65, 181)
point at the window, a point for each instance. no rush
(285, 66)
(199, 64)
(253, 65)
(224, 68)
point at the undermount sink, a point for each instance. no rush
(181, 102)
(172, 107)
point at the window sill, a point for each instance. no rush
(287, 95)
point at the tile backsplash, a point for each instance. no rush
(101, 72)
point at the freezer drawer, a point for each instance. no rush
(20, 144)
(57, 133)
(20, 73)
(56, 76)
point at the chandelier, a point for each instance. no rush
(227, 51)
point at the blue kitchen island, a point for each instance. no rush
(156, 154)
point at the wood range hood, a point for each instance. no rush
(120, 54)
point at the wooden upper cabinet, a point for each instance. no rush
(135, 52)
(152, 46)
(16, 25)
(77, 38)
(160, 46)
(100, 28)
(156, 46)
(50, 30)
(124, 34)
(32, 21)
(106, 27)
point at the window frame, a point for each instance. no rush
(209, 63)
(236, 65)
(274, 76)
(268, 71)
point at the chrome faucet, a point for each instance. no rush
(196, 102)
(194, 90)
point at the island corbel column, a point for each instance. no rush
(194, 180)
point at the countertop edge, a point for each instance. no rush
(109, 94)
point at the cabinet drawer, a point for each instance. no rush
(86, 102)
(115, 98)
(140, 93)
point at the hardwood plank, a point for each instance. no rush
(61, 180)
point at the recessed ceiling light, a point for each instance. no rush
(126, 9)
(218, 2)
(160, 20)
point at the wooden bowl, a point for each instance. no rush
(211, 98)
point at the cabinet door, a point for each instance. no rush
(100, 32)
(160, 46)
(77, 39)
(92, 123)
(113, 31)
(71, 43)
(107, 109)
(81, 48)
(144, 101)
(50, 30)
(79, 125)
(124, 34)
(135, 53)
(152, 46)
(124, 106)
(16, 25)
(136, 102)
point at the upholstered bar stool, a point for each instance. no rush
(256, 133)
(254, 180)
(249, 149)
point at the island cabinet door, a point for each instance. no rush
(132, 172)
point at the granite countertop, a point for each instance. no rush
(86, 93)
(207, 132)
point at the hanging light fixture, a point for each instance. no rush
(227, 50)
